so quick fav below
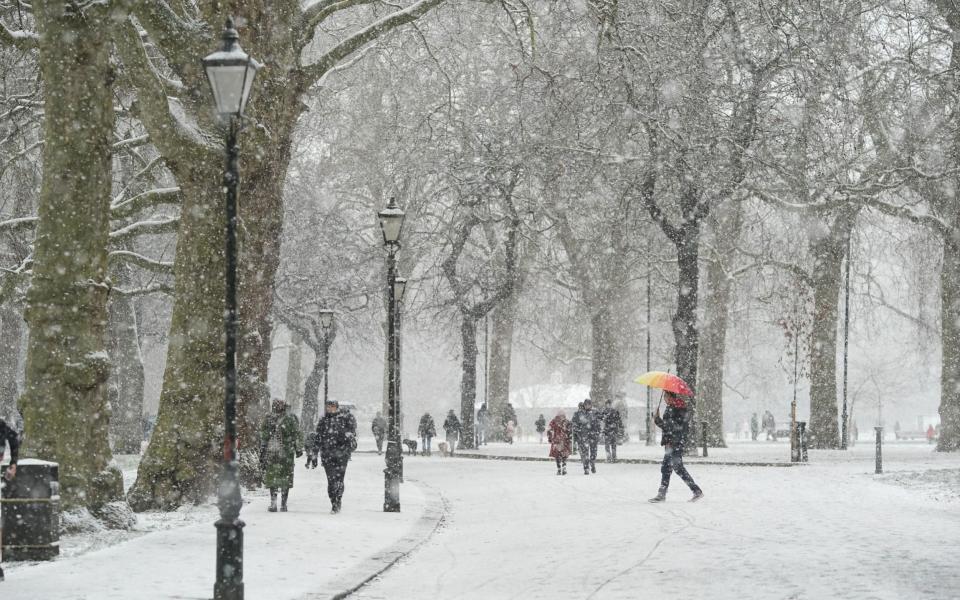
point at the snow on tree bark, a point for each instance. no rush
(949, 440)
(126, 378)
(826, 278)
(181, 463)
(501, 346)
(65, 407)
(716, 310)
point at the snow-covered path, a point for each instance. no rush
(306, 551)
(826, 530)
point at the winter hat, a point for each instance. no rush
(332, 402)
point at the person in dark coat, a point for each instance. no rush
(336, 441)
(426, 430)
(559, 435)
(509, 422)
(483, 424)
(281, 440)
(8, 435)
(612, 429)
(675, 423)
(452, 427)
(379, 428)
(586, 427)
(541, 424)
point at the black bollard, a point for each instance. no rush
(703, 426)
(803, 440)
(879, 469)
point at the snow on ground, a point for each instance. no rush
(513, 529)
(286, 555)
(830, 529)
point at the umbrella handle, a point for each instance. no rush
(660, 401)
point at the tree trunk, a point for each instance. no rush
(468, 384)
(65, 401)
(294, 375)
(607, 360)
(262, 214)
(127, 377)
(684, 322)
(827, 275)
(950, 323)
(183, 459)
(501, 347)
(713, 341)
(311, 394)
(11, 342)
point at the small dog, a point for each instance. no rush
(444, 448)
(411, 447)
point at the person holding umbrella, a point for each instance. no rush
(675, 424)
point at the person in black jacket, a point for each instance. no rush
(8, 435)
(675, 423)
(379, 428)
(612, 428)
(336, 441)
(586, 427)
(453, 428)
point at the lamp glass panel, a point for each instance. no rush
(227, 84)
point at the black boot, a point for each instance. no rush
(283, 500)
(1, 573)
(273, 500)
(661, 495)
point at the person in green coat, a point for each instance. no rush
(281, 442)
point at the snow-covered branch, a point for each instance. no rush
(141, 261)
(312, 73)
(154, 227)
(154, 288)
(18, 38)
(155, 197)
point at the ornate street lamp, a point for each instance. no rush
(231, 72)
(326, 323)
(391, 224)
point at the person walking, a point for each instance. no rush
(541, 424)
(8, 436)
(675, 423)
(754, 427)
(336, 441)
(559, 435)
(770, 426)
(612, 429)
(586, 425)
(426, 430)
(509, 422)
(379, 428)
(281, 441)
(483, 422)
(452, 427)
(574, 429)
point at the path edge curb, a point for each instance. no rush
(434, 514)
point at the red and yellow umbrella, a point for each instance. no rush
(665, 381)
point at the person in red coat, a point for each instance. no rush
(558, 434)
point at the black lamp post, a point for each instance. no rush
(231, 72)
(326, 323)
(399, 288)
(391, 224)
